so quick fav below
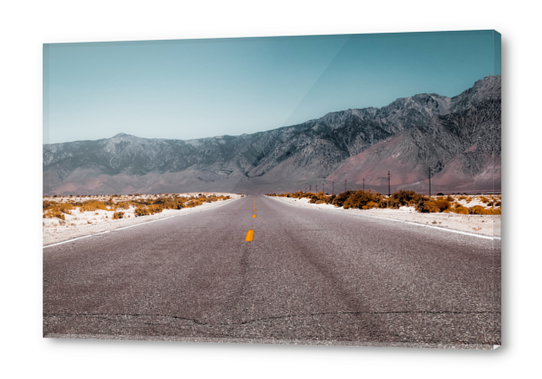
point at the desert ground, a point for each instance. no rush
(489, 225)
(77, 222)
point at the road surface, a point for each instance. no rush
(307, 276)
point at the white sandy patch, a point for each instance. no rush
(78, 224)
(487, 225)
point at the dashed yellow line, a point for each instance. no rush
(253, 216)
(250, 235)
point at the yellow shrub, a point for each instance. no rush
(370, 205)
(92, 205)
(460, 210)
(443, 205)
(66, 207)
(118, 215)
(479, 210)
(427, 207)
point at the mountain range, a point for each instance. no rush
(457, 138)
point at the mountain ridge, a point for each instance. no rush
(289, 157)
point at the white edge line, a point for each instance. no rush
(131, 226)
(405, 222)
(60, 243)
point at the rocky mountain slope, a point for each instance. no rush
(459, 138)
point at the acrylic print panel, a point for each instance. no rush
(340, 190)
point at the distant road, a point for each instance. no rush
(307, 275)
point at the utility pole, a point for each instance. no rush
(344, 185)
(429, 181)
(332, 188)
(389, 191)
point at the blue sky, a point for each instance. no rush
(186, 89)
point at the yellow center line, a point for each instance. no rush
(253, 216)
(250, 235)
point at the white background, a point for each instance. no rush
(26, 25)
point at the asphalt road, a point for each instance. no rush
(308, 276)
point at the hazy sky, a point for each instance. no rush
(185, 89)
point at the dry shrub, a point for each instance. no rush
(118, 215)
(193, 203)
(370, 205)
(459, 209)
(427, 206)
(92, 205)
(122, 205)
(298, 195)
(405, 198)
(66, 207)
(443, 205)
(479, 210)
(49, 204)
(155, 204)
(434, 206)
(339, 200)
(53, 209)
(54, 214)
(361, 200)
(389, 202)
(319, 198)
(142, 210)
